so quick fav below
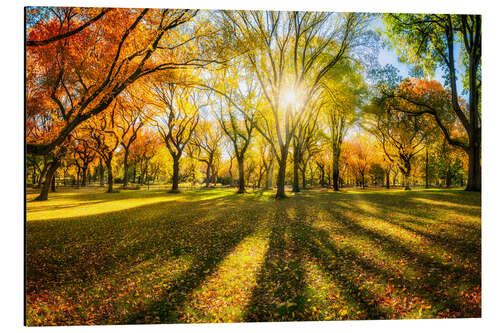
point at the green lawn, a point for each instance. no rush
(215, 256)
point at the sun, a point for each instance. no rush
(290, 97)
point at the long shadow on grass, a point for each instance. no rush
(433, 287)
(341, 264)
(88, 251)
(211, 249)
(279, 294)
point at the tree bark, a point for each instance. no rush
(241, 176)
(110, 176)
(474, 172)
(296, 161)
(101, 173)
(175, 175)
(125, 168)
(51, 170)
(269, 175)
(304, 185)
(426, 168)
(280, 181)
(53, 183)
(387, 179)
(84, 175)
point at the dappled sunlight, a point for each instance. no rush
(213, 255)
(65, 205)
(226, 292)
(445, 203)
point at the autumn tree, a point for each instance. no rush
(177, 118)
(235, 113)
(131, 117)
(105, 140)
(401, 135)
(431, 40)
(342, 90)
(290, 53)
(208, 139)
(83, 156)
(360, 156)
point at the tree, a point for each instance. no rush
(237, 123)
(342, 89)
(102, 131)
(208, 139)
(177, 120)
(428, 41)
(79, 74)
(83, 155)
(401, 135)
(290, 53)
(360, 156)
(131, 118)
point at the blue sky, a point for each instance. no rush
(388, 56)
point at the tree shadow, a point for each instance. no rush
(279, 293)
(435, 278)
(87, 252)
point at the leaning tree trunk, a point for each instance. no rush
(241, 175)
(175, 175)
(280, 181)
(51, 170)
(43, 173)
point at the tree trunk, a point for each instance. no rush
(135, 173)
(110, 176)
(241, 176)
(296, 160)
(101, 173)
(84, 175)
(407, 181)
(474, 173)
(280, 181)
(207, 184)
(304, 178)
(43, 173)
(387, 179)
(175, 175)
(269, 175)
(51, 170)
(53, 183)
(426, 168)
(448, 177)
(125, 168)
(335, 170)
(322, 178)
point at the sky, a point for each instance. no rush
(388, 56)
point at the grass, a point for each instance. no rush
(214, 256)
